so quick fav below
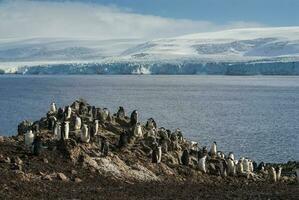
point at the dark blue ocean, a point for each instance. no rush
(254, 116)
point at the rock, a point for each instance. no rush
(16, 167)
(4, 159)
(78, 180)
(17, 160)
(47, 177)
(74, 172)
(24, 126)
(62, 177)
(88, 161)
(45, 160)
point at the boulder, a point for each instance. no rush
(62, 177)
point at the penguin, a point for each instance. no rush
(105, 114)
(37, 146)
(53, 108)
(138, 130)
(96, 127)
(134, 118)
(231, 169)
(68, 112)
(66, 130)
(29, 138)
(78, 123)
(85, 137)
(123, 139)
(57, 131)
(261, 166)
(246, 166)
(231, 155)
(60, 113)
(297, 174)
(159, 148)
(155, 156)
(251, 168)
(213, 150)
(240, 170)
(179, 134)
(94, 113)
(278, 173)
(105, 148)
(151, 124)
(185, 157)
(51, 122)
(202, 164)
(273, 175)
(121, 113)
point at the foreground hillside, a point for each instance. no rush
(84, 152)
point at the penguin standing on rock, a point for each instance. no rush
(123, 139)
(157, 155)
(57, 131)
(78, 123)
(37, 146)
(53, 107)
(29, 138)
(213, 151)
(134, 118)
(85, 137)
(121, 113)
(185, 157)
(202, 164)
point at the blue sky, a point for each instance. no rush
(270, 12)
(110, 19)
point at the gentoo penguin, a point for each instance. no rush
(57, 131)
(37, 146)
(231, 155)
(66, 130)
(85, 137)
(179, 134)
(138, 130)
(134, 118)
(53, 107)
(29, 138)
(231, 169)
(213, 150)
(121, 113)
(78, 123)
(273, 175)
(278, 173)
(202, 164)
(185, 157)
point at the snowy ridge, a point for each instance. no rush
(239, 51)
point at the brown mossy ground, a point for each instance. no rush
(29, 179)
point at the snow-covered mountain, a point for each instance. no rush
(238, 51)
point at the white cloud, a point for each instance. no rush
(23, 19)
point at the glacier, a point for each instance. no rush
(251, 51)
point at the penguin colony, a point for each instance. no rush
(83, 121)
